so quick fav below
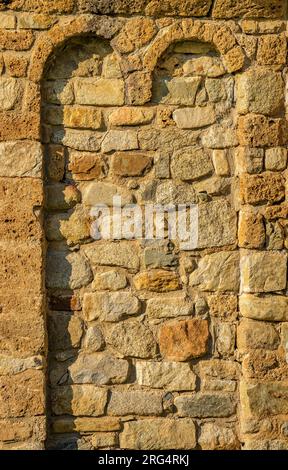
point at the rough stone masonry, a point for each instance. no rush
(139, 344)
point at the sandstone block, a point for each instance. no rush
(251, 233)
(276, 159)
(168, 308)
(191, 164)
(86, 141)
(133, 339)
(219, 271)
(16, 65)
(84, 117)
(218, 437)
(223, 306)
(22, 394)
(204, 405)
(120, 140)
(86, 165)
(67, 270)
(248, 160)
(248, 8)
(176, 193)
(157, 281)
(260, 131)
(16, 40)
(172, 376)
(110, 306)
(98, 369)
(220, 162)
(10, 90)
(264, 399)
(40, 21)
(263, 272)
(139, 88)
(76, 228)
(234, 59)
(104, 439)
(55, 162)
(124, 254)
(93, 340)
(207, 66)
(268, 308)
(183, 340)
(7, 21)
(61, 197)
(102, 193)
(219, 137)
(79, 400)
(58, 92)
(253, 334)
(260, 91)
(182, 90)
(217, 224)
(136, 33)
(65, 330)
(100, 91)
(272, 49)
(158, 433)
(109, 280)
(257, 189)
(128, 116)
(191, 118)
(130, 164)
(103, 424)
(135, 402)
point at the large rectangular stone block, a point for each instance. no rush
(263, 271)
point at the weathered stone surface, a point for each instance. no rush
(184, 340)
(55, 162)
(65, 330)
(172, 376)
(103, 424)
(42, 6)
(204, 405)
(219, 271)
(109, 280)
(255, 130)
(21, 159)
(86, 141)
(193, 118)
(58, 92)
(123, 254)
(101, 92)
(79, 400)
(223, 305)
(16, 40)
(67, 270)
(128, 116)
(251, 231)
(158, 433)
(267, 187)
(260, 91)
(218, 437)
(182, 90)
(104, 439)
(96, 192)
(133, 339)
(138, 402)
(217, 224)
(157, 281)
(176, 193)
(22, 324)
(84, 117)
(225, 336)
(7, 21)
(14, 430)
(248, 9)
(130, 164)
(263, 272)
(139, 88)
(276, 159)
(86, 165)
(22, 394)
(159, 256)
(207, 66)
(109, 306)
(136, 33)
(234, 59)
(268, 308)
(16, 65)
(94, 339)
(61, 197)
(248, 160)
(168, 307)
(11, 366)
(99, 369)
(120, 140)
(220, 163)
(272, 49)
(219, 137)
(77, 227)
(253, 334)
(264, 399)
(10, 90)
(191, 164)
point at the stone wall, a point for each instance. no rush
(139, 344)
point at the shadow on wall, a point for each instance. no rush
(89, 284)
